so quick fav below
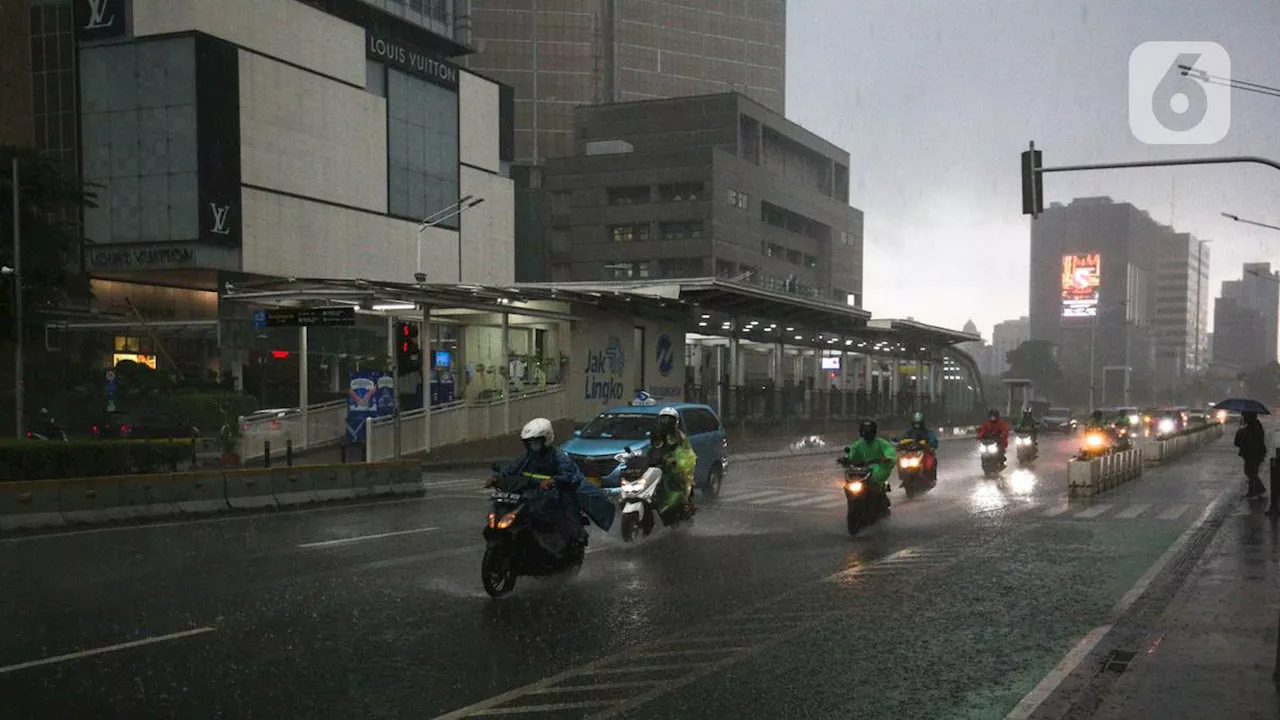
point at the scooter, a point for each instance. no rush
(912, 471)
(1027, 449)
(992, 460)
(516, 539)
(641, 494)
(1097, 442)
(865, 499)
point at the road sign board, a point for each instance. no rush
(259, 318)
(294, 317)
(111, 376)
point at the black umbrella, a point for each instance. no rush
(1242, 405)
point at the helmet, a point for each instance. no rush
(1026, 412)
(867, 430)
(537, 434)
(917, 419)
(994, 414)
(1097, 414)
(668, 420)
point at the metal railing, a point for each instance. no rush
(763, 403)
(325, 425)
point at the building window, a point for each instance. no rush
(679, 192)
(737, 198)
(774, 251)
(681, 230)
(725, 269)
(844, 237)
(743, 199)
(629, 233)
(731, 197)
(679, 267)
(627, 270)
(422, 140)
(794, 257)
(633, 195)
(810, 261)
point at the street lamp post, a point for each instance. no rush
(19, 388)
(464, 203)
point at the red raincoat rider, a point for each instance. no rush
(995, 429)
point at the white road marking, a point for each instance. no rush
(1057, 510)
(784, 496)
(1134, 511)
(547, 707)
(361, 538)
(107, 649)
(755, 496)
(622, 684)
(1034, 699)
(1094, 511)
(1174, 512)
(820, 499)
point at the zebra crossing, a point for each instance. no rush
(817, 499)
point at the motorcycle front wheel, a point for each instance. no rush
(497, 572)
(853, 519)
(630, 526)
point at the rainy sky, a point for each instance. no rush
(935, 99)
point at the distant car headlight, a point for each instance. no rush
(1167, 425)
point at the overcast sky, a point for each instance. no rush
(935, 99)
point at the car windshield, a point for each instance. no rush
(1057, 413)
(620, 426)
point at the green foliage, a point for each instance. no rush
(50, 198)
(1034, 360)
(49, 460)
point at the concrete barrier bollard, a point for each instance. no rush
(148, 495)
(367, 481)
(29, 505)
(200, 493)
(249, 489)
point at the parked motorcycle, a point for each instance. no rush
(1027, 448)
(641, 496)
(912, 471)
(992, 458)
(865, 499)
(517, 539)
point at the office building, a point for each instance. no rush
(1006, 337)
(1181, 311)
(560, 54)
(229, 140)
(699, 186)
(16, 122)
(1245, 317)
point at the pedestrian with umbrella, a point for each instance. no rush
(1251, 439)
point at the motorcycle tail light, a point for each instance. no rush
(493, 520)
(506, 521)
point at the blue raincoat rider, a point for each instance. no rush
(573, 494)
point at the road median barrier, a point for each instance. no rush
(1159, 451)
(38, 504)
(1086, 478)
(29, 505)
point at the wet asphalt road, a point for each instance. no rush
(956, 606)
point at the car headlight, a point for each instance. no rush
(1134, 419)
(1167, 425)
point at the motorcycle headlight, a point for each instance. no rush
(1095, 440)
(855, 487)
(1135, 419)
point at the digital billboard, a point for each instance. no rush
(1081, 280)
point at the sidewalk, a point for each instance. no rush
(1214, 649)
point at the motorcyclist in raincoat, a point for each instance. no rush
(568, 495)
(874, 452)
(670, 449)
(995, 429)
(920, 432)
(1096, 421)
(1027, 425)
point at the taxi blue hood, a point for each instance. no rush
(601, 447)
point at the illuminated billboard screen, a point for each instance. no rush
(1081, 280)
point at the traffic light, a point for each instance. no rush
(1032, 182)
(408, 354)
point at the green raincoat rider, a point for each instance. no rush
(677, 460)
(875, 452)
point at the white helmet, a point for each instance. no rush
(669, 412)
(538, 428)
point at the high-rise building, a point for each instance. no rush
(1005, 338)
(1181, 310)
(16, 122)
(699, 186)
(1244, 319)
(560, 54)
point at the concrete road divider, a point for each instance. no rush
(1177, 446)
(54, 503)
(29, 505)
(200, 493)
(248, 489)
(1092, 477)
(148, 495)
(332, 482)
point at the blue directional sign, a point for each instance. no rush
(666, 355)
(259, 318)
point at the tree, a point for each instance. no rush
(1034, 360)
(49, 199)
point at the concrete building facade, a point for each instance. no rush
(560, 54)
(713, 185)
(1245, 317)
(1005, 338)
